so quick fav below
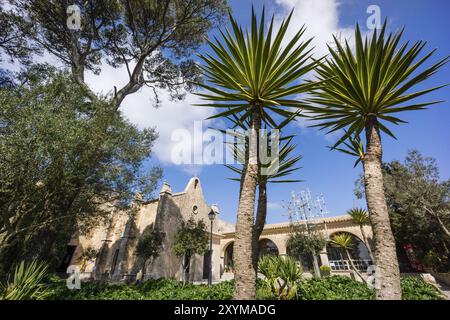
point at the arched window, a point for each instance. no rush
(228, 257)
(267, 247)
(337, 256)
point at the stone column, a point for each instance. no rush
(324, 257)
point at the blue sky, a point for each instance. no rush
(330, 173)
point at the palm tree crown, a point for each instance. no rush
(343, 240)
(252, 72)
(359, 216)
(370, 83)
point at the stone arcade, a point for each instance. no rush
(116, 242)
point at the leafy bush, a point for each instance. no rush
(327, 288)
(161, 289)
(26, 283)
(281, 275)
(417, 289)
(301, 243)
(334, 288)
(325, 271)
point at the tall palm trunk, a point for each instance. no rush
(245, 275)
(385, 250)
(261, 213)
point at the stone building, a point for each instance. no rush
(115, 243)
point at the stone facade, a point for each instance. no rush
(116, 241)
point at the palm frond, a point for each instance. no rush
(370, 83)
(250, 67)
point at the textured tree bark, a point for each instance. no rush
(245, 276)
(385, 250)
(260, 221)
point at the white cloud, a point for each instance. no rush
(139, 109)
(321, 19)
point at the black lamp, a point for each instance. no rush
(211, 215)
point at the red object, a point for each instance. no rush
(415, 264)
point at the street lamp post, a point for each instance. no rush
(211, 216)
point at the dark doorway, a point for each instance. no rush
(206, 264)
(67, 258)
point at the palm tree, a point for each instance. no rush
(345, 242)
(254, 75)
(275, 172)
(360, 217)
(364, 88)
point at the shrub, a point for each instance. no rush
(26, 283)
(327, 288)
(281, 275)
(334, 288)
(417, 289)
(325, 271)
(161, 289)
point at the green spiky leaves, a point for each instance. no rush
(253, 69)
(371, 82)
(359, 216)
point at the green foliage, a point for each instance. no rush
(359, 216)
(149, 245)
(417, 199)
(370, 83)
(334, 288)
(158, 35)
(161, 289)
(252, 67)
(11, 43)
(325, 271)
(191, 238)
(343, 240)
(414, 288)
(26, 283)
(281, 275)
(300, 243)
(276, 170)
(344, 288)
(354, 147)
(63, 155)
(326, 288)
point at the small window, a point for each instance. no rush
(194, 209)
(195, 183)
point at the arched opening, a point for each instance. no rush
(338, 259)
(228, 257)
(267, 247)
